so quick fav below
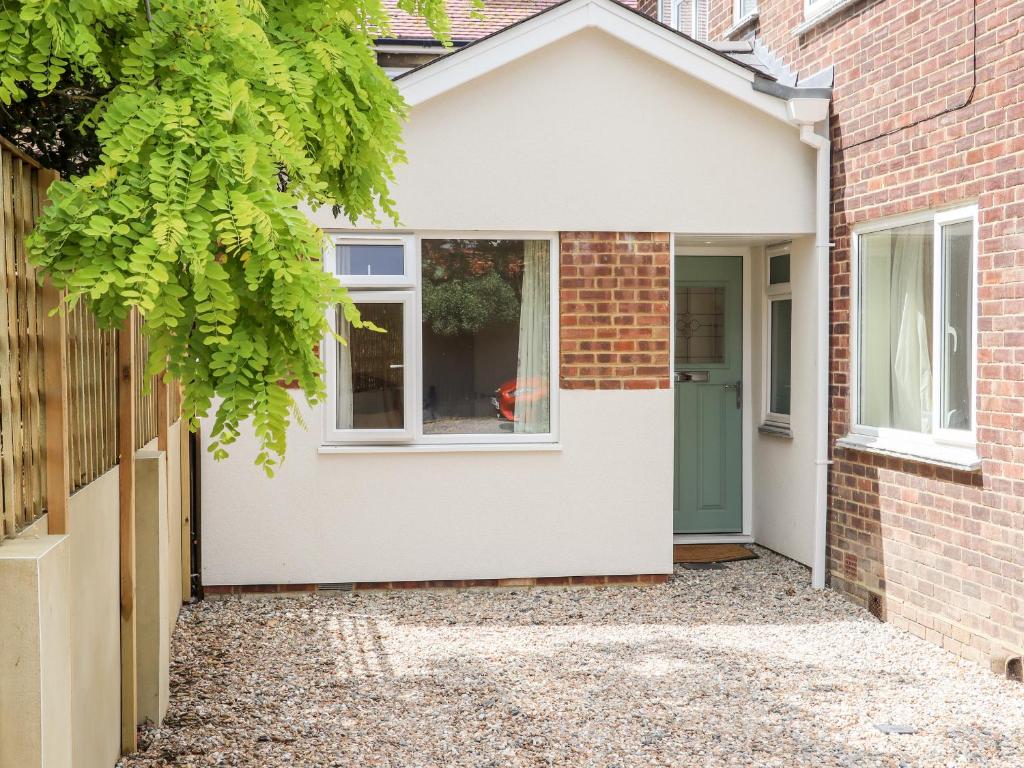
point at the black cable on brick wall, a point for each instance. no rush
(947, 110)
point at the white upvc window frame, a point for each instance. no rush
(738, 15)
(409, 289)
(694, 30)
(942, 446)
(818, 11)
(774, 292)
(332, 433)
(815, 8)
(353, 282)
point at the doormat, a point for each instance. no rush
(710, 553)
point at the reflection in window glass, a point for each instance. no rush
(957, 292)
(778, 269)
(781, 351)
(371, 376)
(486, 336)
(896, 328)
(370, 259)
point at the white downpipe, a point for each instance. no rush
(819, 567)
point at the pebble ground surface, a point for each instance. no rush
(746, 666)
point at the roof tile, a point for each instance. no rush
(497, 14)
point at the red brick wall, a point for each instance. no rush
(648, 7)
(938, 552)
(614, 320)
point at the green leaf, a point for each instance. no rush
(180, 213)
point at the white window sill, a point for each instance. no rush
(444, 448)
(775, 430)
(820, 17)
(952, 456)
(741, 25)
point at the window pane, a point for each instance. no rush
(371, 259)
(895, 313)
(781, 350)
(371, 376)
(957, 327)
(778, 269)
(700, 325)
(486, 336)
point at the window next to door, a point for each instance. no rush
(778, 323)
(465, 354)
(913, 337)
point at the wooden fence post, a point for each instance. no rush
(127, 376)
(185, 465)
(163, 421)
(55, 389)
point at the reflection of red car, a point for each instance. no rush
(505, 396)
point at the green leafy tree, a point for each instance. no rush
(206, 125)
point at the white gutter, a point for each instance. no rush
(806, 114)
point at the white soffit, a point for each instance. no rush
(559, 22)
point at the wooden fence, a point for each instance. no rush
(147, 394)
(22, 375)
(73, 405)
(92, 398)
(66, 359)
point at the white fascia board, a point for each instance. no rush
(561, 21)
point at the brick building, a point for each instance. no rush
(927, 115)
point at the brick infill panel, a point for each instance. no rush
(614, 298)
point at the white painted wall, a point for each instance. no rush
(173, 596)
(783, 469)
(602, 505)
(589, 133)
(35, 657)
(95, 623)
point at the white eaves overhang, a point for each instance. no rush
(675, 49)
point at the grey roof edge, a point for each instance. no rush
(774, 64)
(732, 46)
(826, 78)
(787, 92)
(787, 84)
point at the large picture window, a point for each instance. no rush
(465, 354)
(915, 329)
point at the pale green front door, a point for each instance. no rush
(708, 390)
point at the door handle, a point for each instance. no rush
(738, 386)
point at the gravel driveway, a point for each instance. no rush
(745, 666)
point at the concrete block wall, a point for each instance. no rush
(35, 663)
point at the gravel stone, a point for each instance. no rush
(746, 666)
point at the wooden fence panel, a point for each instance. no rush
(92, 394)
(90, 360)
(22, 403)
(146, 406)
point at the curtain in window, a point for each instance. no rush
(344, 386)
(910, 345)
(532, 405)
